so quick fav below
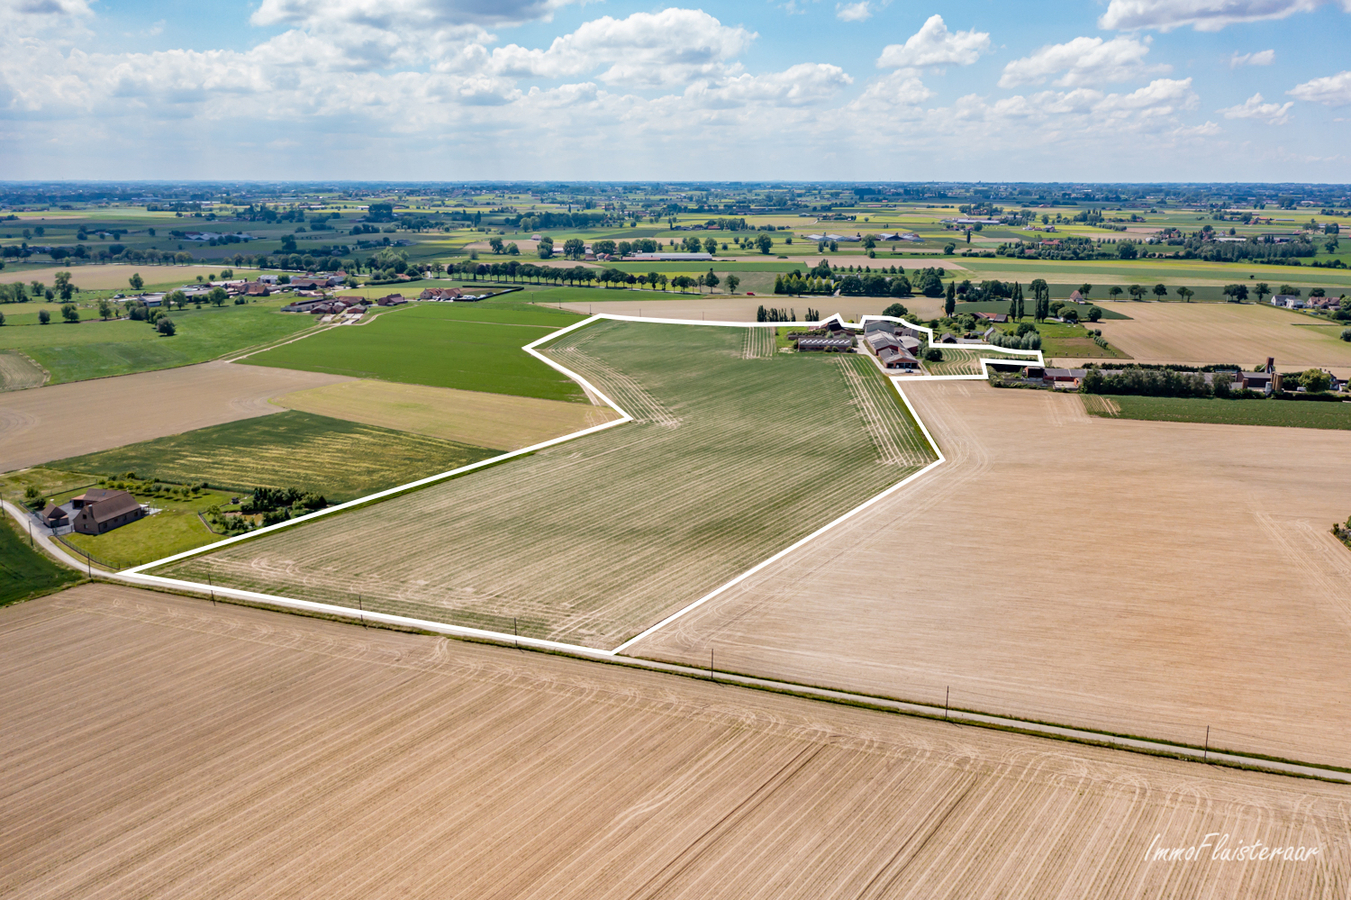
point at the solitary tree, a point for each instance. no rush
(1186, 294)
(136, 282)
(1114, 291)
(732, 282)
(764, 242)
(1084, 290)
(70, 313)
(1160, 291)
(105, 309)
(1136, 291)
(165, 326)
(1261, 289)
(950, 302)
(44, 317)
(711, 280)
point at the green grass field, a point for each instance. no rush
(1060, 341)
(24, 572)
(737, 452)
(1279, 413)
(95, 349)
(471, 346)
(341, 460)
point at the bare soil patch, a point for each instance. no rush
(1244, 334)
(84, 417)
(1152, 578)
(157, 746)
(473, 417)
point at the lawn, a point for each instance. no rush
(736, 453)
(340, 459)
(95, 349)
(471, 346)
(24, 572)
(175, 528)
(1060, 341)
(1279, 413)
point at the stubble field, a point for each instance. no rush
(1244, 334)
(473, 417)
(731, 459)
(156, 746)
(48, 423)
(1149, 578)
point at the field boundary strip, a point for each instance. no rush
(140, 574)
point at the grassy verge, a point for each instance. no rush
(24, 572)
(1278, 413)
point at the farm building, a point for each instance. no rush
(897, 358)
(881, 340)
(670, 257)
(875, 327)
(834, 344)
(55, 517)
(441, 294)
(1289, 301)
(109, 510)
(1064, 377)
(392, 300)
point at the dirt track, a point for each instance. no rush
(158, 746)
(87, 416)
(1135, 577)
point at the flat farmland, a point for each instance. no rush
(47, 423)
(19, 373)
(472, 417)
(113, 276)
(340, 459)
(156, 746)
(1149, 578)
(1244, 334)
(730, 460)
(1279, 414)
(722, 308)
(98, 349)
(474, 347)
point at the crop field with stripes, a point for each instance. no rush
(730, 460)
(157, 747)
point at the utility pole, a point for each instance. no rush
(947, 695)
(361, 611)
(211, 584)
(1206, 756)
(710, 665)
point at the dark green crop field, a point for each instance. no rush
(471, 346)
(1280, 413)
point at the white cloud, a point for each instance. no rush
(934, 45)
(806, 84)
(1254, 108)
(400, 15)
(853, 12)
(897, 90)
(1331, 90)
(1260, 58)
(1203, 15)
(674, 46)
(1084, 60)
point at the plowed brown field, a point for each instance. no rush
(85, 417)
(156, 746)
(1151, 578)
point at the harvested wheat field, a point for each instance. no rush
(114, 276)
(471, 417)
(18, 372)
(591, 541)
(84, 417)
(1244, 334)
(1149, 578)
(157, 746)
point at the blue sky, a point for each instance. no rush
(1113, 90)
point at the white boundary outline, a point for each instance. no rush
(138, 574)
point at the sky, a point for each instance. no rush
(606, 90)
